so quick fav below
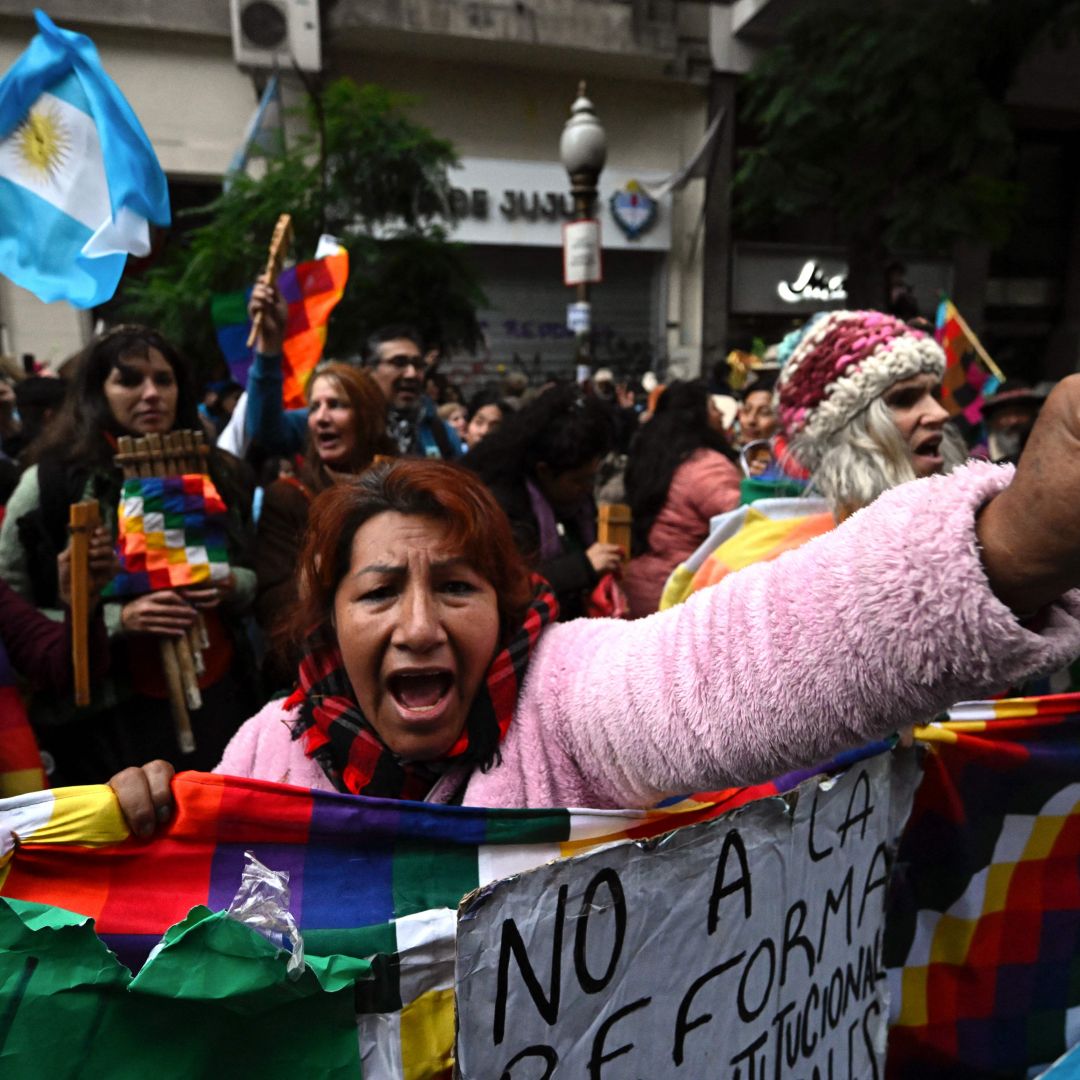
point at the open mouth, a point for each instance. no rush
(420, 691)
(929, 447)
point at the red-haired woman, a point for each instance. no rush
(433, 669)
(346, 429)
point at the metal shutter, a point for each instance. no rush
(525, 320)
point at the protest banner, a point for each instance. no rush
(751, 945)
(981, 937)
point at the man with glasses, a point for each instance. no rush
(395, 358)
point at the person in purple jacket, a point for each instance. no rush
(433, 667)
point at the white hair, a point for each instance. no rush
(867, 457)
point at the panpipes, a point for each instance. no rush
(83, 518)
(613, 525)
(173, 455)
(275, 260)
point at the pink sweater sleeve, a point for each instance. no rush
(263, 749)
(883, 622)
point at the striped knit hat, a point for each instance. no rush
(840, 362)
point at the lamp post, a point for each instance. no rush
(583, 150)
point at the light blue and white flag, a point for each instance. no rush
(79, 180)
(264, 134)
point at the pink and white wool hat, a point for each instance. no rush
(841, 362)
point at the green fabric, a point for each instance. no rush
(192, 1010)
(229, 308)
(750, 490)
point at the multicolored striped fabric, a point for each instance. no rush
(374, 882)
(749, 534)
(983, 930)
(966, 382)
(21, 769)
(172, 532)
(984, 924)
(312, 290)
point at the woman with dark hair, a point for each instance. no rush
(541, 468)
(485, 416)
(679, 476)
(129, 381)
(431, 669)
(346, 422)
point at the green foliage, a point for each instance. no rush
(380, 186)
(892, 116)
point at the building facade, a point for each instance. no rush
(497, 80)
(1023, 298)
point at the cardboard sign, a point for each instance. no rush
(581, 253)
(747, 946)
(579, 319)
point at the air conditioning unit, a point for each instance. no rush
(276, 33)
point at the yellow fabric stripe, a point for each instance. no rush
(427, 1036)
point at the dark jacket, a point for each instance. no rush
(570, 573)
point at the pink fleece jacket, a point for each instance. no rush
(881, 623)
(704, 485)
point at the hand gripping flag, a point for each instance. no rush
(312, 290)
(374, 886)
(79, 181)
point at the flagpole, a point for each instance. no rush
(982, 354)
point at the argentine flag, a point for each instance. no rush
(79, 180)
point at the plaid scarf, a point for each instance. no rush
(338, 736)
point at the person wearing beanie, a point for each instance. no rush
(857, 395)
(856, 399)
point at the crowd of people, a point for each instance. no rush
(419, 605)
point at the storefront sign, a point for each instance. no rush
(581, 253)
(527, 202)
(796, 280)
(813, 285)
(748, 946)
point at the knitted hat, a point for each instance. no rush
(841, 361)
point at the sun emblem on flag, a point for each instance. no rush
(41, 142)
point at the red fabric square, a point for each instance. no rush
(154, 886)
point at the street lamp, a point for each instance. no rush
(583, 150)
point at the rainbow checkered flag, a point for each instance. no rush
(982, 934)
(983, 930)
(172, 533)
(966, 382)
(312, 290)
(374, 886)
